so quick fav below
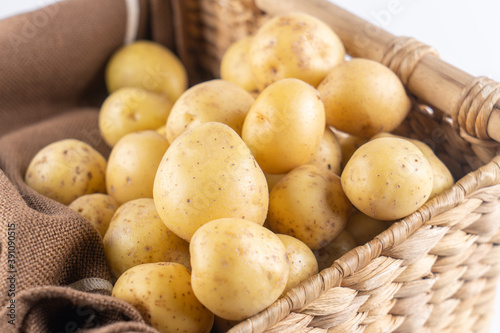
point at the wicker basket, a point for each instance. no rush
(437, 269)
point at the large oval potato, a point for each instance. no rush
(136, 235)
(284, 127)
(239, 267)
(235, 64)
(130, 110)
(147, 65)
(294, 45)
(209, 173)
(216, 100)
(98, 208)
(163, 295)
(387, 178)
(363, 97)
(309, 204)
(67, 169)
(132, 165)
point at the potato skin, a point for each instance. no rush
(146, 65)
(132, 165)
(67, 169)
(136, 235)
(209, 173)
(98, 208)
(294, 45)
(235, 64)
(130, 110)
(301, 259)
(209, 101)
(238, 267)
(285, 125)
(329, 153)
(163, 295)
(364, 228)
(327, 255)
(309, 204)
(363, 97)
(387, 178)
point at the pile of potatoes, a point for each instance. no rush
(219, 198)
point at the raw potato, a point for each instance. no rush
(209, 173)
(342, 244)
(329, 153)
(363, 97)
(349, 144)
(235, 64)
(309, 204)
(132, 165)
(285, 125)
(239, 267)
(67, 169)
(162, 130)
(136, 235)
(98, 208)
(215, 100)
(130, 110)
(388, 178)
(149, 66)
(301, 259)
(163, 295)
(294, 45)
(442, 177)
(364, 228)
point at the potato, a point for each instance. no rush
(132, 165)
(329, 153)
(309, 204)
(442, 177)
(67, 169)
(363, 97)
(235, 65)
(364, 228)
(239, 267)
(349, 144)
(222, 325)
(162, 130)
(98, 208)
(387, 178)
(284, 127)
(130, 110)
(294, 45)
(327, 255)
(215, 100)
(209, 173)
(163, 295)
(149, 66)
(301, 259)
(136, 235)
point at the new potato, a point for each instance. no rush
(208, 173)
(98, 208)
(235, 64)
(67, 169)
(364, 228)
(327, 255)
(238, 267)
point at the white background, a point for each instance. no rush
(465, 33)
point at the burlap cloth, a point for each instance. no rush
(53, 275)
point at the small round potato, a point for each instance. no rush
(132, 165)
(209, 173)
(149, 66)
(387, 178)
(163, 295)
(136, 235)
(67, 169)
(239, 267)
(294, 45)
(301, 259)
(285, 125)
(327, 255)
(363, 97)
(130, 110)
(349, 144)
(98, 208)
(235, 64)
(364, 228)
(329, 153)
(216, 100)
(309, 204)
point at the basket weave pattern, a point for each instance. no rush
(434, 271)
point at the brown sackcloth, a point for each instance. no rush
(53, 273)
